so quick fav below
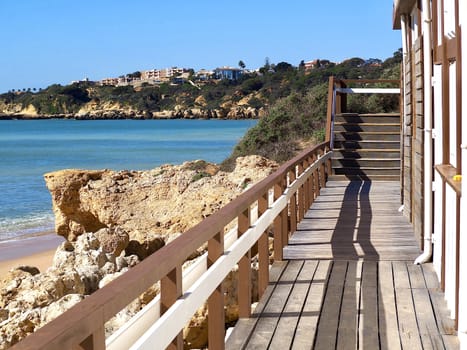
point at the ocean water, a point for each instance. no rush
(30, 148)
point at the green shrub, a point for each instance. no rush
(199, 176)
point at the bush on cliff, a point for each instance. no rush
(290, 122)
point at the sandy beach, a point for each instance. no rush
(35, 251)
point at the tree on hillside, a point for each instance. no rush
(301, 66)
(283, 67)
(394, 60)
(354, 62)
(267, 66)
(134, 75)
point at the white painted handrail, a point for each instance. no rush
(369, 90)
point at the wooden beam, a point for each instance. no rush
(458, 91)
(216, 313)
(278, 225)
(293, 204)
(263, 248)
(329, 111)
(171, 290)
(95, 341)
(244, 270)
(445, 104)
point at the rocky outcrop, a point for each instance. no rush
(17, 109)
(162, 201)
(29, 299)
(113, 220)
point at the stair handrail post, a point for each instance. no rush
(330, 111)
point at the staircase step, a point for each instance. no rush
(364, 177)
(366, 136)
(365, 162)
(366, 153)
(367, 171)
(367, 127)
(368, 144)
(367, 118)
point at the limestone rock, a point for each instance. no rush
(18, 327)
(29, 299)
(161, 201)
(72, 220)
(29, 269)
(201, 101)
(113, 240)
(144, 244)
(59, 307)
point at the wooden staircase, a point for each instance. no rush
(366, 147)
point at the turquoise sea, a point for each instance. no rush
(30, 148)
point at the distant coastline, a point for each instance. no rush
(195, 113)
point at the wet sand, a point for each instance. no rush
(35, 251)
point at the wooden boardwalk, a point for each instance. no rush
(348, 281)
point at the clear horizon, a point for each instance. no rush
(57, 42)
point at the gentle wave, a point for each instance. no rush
(14, 228)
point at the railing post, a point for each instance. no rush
(307, 187)
(171, 290)
(315, 179)
(285, 217)
(95, 341)
(293, 202)
(330, 108)
(216, 313)
(278, 225)
(263, 248)
(322, 171)
(301, 195)
(328, 163)
(341, 99)
(244, 270)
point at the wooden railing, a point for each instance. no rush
(337, 97)
(280, 201)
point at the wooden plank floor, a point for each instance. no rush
(348, 281)
(355, 220)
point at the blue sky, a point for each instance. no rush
(56, 41)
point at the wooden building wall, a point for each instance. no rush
(413, 139)
(418, 165)
(407, 138)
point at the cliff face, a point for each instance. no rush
(12, 109)
(117, 111)
(37, 106)
(113, 220)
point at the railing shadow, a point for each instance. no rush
(351, 240)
